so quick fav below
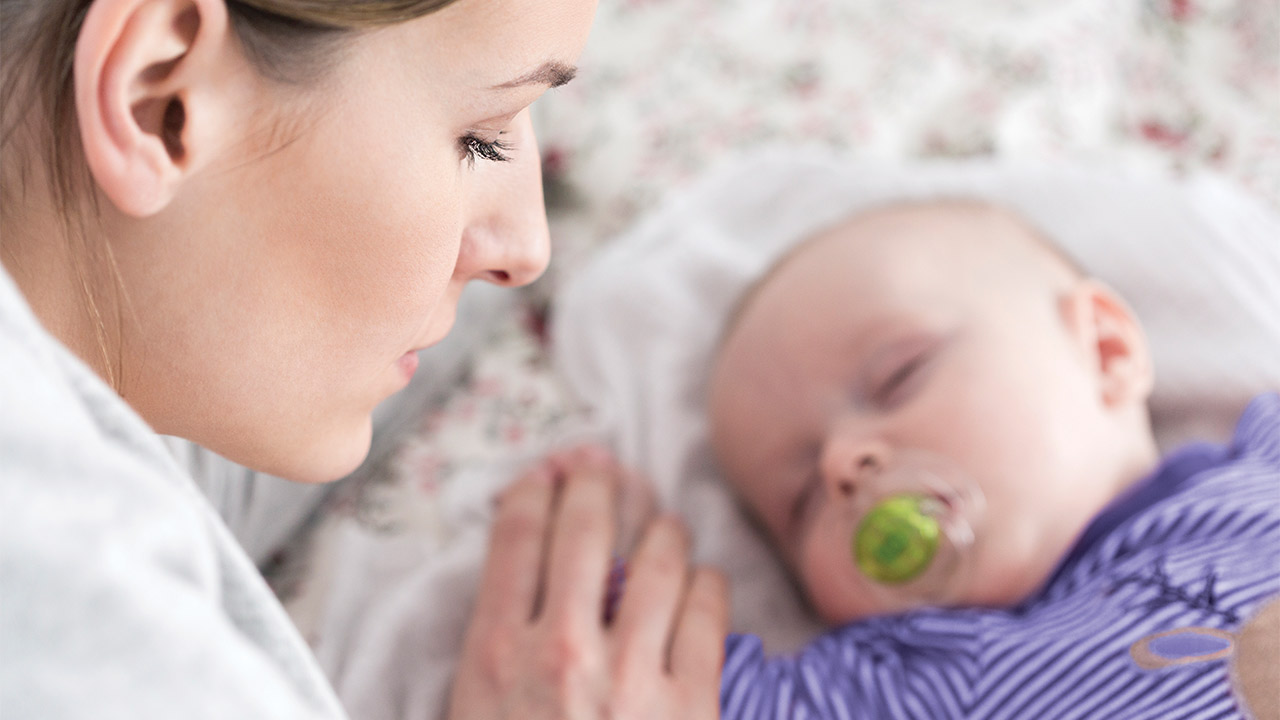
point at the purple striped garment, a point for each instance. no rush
(1194, 548)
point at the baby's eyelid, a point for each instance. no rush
(886, 391)
(904, 371)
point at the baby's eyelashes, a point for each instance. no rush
(894, 374)
(891, 391)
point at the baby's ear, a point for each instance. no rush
(1112, 341)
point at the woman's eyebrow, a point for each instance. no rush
(552, 74)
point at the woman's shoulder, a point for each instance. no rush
(54, 410)
(117, 573)
(79, 471)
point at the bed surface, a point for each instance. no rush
(670, 88)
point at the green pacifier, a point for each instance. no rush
(897, 539)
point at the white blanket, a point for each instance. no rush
(1199, 262)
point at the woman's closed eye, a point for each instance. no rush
(472, 146)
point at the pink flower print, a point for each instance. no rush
(1180, 10)
(1163, 135)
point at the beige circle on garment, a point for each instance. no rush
(1255, 664)
(1149, 660)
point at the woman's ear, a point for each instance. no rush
(1112, 341)
(145, 76)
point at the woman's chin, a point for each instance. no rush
(337, 459)
(327, 473)
(331, 456)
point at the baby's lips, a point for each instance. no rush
(943, 503)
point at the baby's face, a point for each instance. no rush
(946, 329)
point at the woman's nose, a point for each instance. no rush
(849, 462)
(505, 240)
(510, 255)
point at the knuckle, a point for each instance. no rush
(567, 658)
(494, 661)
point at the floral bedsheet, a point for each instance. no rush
(667, 88)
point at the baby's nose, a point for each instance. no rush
(847, 465)
(870, 461)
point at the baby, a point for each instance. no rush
(1072, 573)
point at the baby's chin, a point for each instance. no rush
(836, 615)
(840, 606)
(982, 590)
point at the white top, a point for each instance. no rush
(122, 593)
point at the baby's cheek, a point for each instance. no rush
(1011, 558)
(830, 580)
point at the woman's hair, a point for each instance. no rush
(288, 41)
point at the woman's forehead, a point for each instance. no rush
(501, 45)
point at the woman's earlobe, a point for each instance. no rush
(137, 65)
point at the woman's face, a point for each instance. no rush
(281, 295)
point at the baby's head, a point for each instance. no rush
(949, 327)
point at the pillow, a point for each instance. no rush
(634, 333)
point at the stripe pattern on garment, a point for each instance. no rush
(1204, 554)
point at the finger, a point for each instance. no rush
(637, 505)
(510, 584)
(581, 539)
(566, 461)
(697, 649)
(656, 577)
(636, 500)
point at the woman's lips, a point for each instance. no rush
(408, 364)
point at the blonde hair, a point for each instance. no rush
(286, 40)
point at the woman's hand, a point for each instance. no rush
(538, 647)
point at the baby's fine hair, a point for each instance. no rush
(956, 202)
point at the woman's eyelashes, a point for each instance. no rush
(472, 146)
